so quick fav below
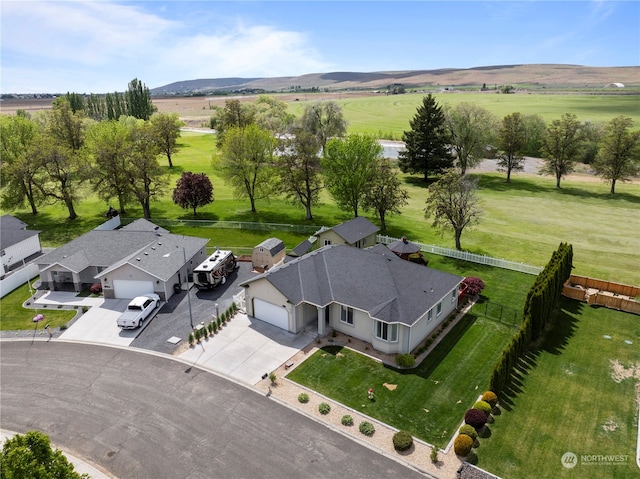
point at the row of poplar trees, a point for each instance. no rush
(542, 300)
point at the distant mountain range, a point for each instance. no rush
(541, 75)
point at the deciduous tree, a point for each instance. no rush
(561, 147)
(246, 162)
(512, 138)
(324, 120)
(453, 204)
(298, 169)
(619, 155)
(427, 143)
(385, 194)
(271, 114)
(192, 191)
(166, 127)
(234, 114)
(31, 456)
(471, 128)
(349, 166)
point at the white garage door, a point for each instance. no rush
(127, 289)
(271, 313)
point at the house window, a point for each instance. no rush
(453, 295)
(327, 242)
(439, 309)
(386, 332)
(346, 315)
(430, 315)
(357, 244)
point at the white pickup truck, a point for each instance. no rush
(138, 310)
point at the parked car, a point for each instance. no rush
(139, 309)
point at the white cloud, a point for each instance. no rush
(101, 46)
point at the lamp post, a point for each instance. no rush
(186, 278)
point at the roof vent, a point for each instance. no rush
(146, 254)
(137, 259)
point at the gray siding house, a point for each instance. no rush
(17, 243)
(369, 294)
(137, 259)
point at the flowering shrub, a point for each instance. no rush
(475, 418)
(462, 445)
(483, 406)
(469, 431)
(402, 441)
(491, 398)
(474, 285)
(96, 288)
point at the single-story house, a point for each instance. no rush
(17, 243)
(370, 294)
(137, 259)
(358, 232)
(267, 254)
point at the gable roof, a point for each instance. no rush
(273, 245)
(354, 230)
(13, 231)
(110, 249)
(373, 280)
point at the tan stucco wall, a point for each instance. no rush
(262, 289)
(337, 239)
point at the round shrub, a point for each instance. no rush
(347, 420)
(324, 408)
(405, 360)
(462, 445)
(483, 406)
(475, 418)
(469, 431)
(402, 441)
(491, 398)
(474, 285)
(366, 428)
(303, 398)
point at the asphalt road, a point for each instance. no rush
(148, 416)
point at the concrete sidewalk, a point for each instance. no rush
(246, 349)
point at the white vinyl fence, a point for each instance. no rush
(466, 256)
(17, 278)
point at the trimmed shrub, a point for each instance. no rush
(192, 338)
(434, 455)
(272, 377)
(475, 418)
(491, 398)
(474, 285)
(402, 440)
(483, 406)
(324, 408)
(462, 445)
(303, 398)
(405, 360)
(469, 431)
(347, 420)
(96, 288)
(366, 428)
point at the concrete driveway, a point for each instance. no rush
(246, 349)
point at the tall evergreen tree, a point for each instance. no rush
(138, 100)
(427, 143)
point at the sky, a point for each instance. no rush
(99, 46)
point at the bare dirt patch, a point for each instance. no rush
(619, 373)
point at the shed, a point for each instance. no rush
(268, 254)
(405, 249)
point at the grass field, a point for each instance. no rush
(390, 115)
(568, 401)
(430, 400)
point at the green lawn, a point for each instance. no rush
(567, 401)
(13, 316)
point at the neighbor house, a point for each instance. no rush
(137, 259)
(358, 232)
(370, 294)
(17, 243)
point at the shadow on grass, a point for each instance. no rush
(554, 342)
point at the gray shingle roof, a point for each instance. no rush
(355, 229)
(13, 231)
(373, 280)
(273, 245)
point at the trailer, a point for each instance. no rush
(215, 269)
